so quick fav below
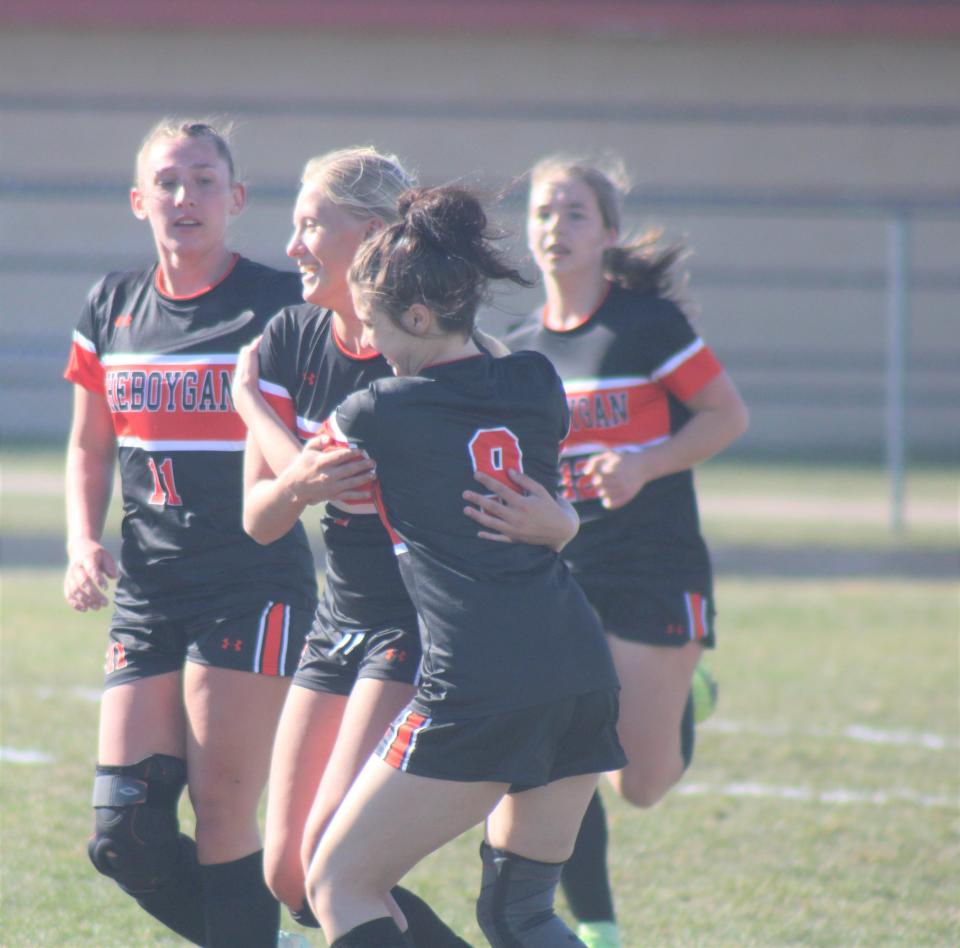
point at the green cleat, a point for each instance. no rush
(703, 689)
(599, 934)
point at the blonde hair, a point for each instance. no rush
(361, 180)
(638, 263)
(189, 128)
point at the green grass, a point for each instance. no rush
(799, 664)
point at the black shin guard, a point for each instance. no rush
(380, 933)
(585, 879)
(137, 841)
(515, 907)
(426, 928)
(241, 912)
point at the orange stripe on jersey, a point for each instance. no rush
(692, 374)
(273, 640)
(283, 406)
(84, 367)
(396, 753)
(615, 413)
(176, 401)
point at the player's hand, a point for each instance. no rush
(88, 572)
(618, 476)
(529, 514)
(325, 472)
(246, 374)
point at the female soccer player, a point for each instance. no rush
(207, 625)
(648, 401)
(515, 709)
(363, 652)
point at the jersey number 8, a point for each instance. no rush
(496, 451)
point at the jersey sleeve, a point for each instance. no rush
(682, 362)
(278, 368)
(353, 421)
(83, 364)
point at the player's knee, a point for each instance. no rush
(284, 876)
(645, 787)
(515, 905)
(137, 839)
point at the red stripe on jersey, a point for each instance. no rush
(615, 416)
(693, 374)
(157, 401)
(84, 368)
(396, 753)
(395, 538)
(332, 439)
(273, 640)
(283, 406)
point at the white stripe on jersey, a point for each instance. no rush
(576, 450)
(305, 424)
(271, 388)
(83, 342)
(677, 360)
(199, 358)
(588, 386)
(132, 441)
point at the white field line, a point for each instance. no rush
(12, 755)
(859, 733)
(838, 796)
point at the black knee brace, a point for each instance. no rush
(137, 838)
(515, 907)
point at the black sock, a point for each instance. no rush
(179, 904)
(688, 733)
(585, 881)
(241, 912)
(304, 916)
(380, 933)
(426, 928)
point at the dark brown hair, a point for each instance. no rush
(638, 263)
(440, 254)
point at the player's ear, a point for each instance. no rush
(138, 204)
(239, 193)
(418, 319)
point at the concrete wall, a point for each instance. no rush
(783, 163)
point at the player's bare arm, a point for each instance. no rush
(719, 418)
(528, 515)
(90, 461)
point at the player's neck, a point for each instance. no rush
(571, 302)
(448, 349)
(182, 275)
(349, 330)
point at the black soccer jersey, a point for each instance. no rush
(164, 366)
(627, 370)
(503, 626)
(305, 373)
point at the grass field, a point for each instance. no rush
(821, 809)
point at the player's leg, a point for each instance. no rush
(232, 717)
(304, 741)
(655, 692)
(141, 773)
(387, 823)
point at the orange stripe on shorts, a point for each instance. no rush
(273, 640)
(400, 745)
(697, 632)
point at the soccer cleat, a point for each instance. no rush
(599, 934)
(291, 940)
(703, 690)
